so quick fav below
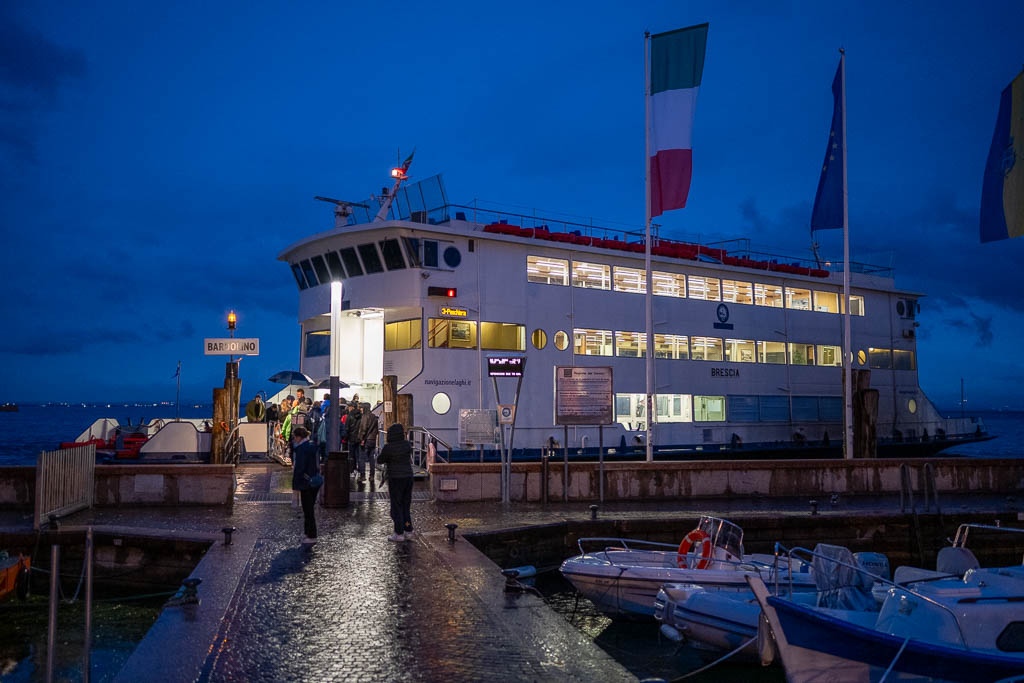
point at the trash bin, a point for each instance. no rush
(336, 480)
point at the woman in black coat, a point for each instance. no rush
(397, 457)
(305, 466)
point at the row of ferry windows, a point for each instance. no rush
(364, 258)
(553, 271)
(462, 334)
(631, 409)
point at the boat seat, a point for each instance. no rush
(955, 560)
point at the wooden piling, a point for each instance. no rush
(390, 392)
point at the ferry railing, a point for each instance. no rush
(798, 551)
(663, 549)
(422, 438)
(65, 482)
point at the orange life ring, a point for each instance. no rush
(693, 538)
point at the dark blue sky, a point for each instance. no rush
(154, 159)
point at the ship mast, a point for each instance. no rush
(399, 173)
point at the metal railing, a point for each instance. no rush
(421, 438)
(65, 482)
(960, 540)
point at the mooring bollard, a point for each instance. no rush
(593, 512)
(834, 499)
(451, 527)
(187, 594)
(228, 530)
(814, 507)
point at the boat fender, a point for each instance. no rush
(689, 542)
(525, 571)
(671, 633)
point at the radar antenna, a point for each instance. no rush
(399, 173)
(342, 210)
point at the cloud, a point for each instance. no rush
(32, 71)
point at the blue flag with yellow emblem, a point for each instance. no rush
(1002, 192)
(828, 201)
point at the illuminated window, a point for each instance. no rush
(671, 346)
(799, 299)
(826, 302)
(705, 348)
(630, 344)
(880, 359)
(591, 275)
(801, 354)
(856, 305)
(739, 350)
(862, 357)
(443, 333)
(561, 340)
(405, 334)
(668, 284)
(768, 295)
(547, 271)
(736, 292)
(674, 408)
(903, 360)
(830, 355)
(771, 352)
(441, 403)
(912, 406)
(709, 408)
(630, 280)
(503, 336)
(631, 409)
(318, 343)
(592, 342)
(539, 339)
(705, 288)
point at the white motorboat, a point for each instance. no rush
(623, 577)
(944, 628)
(721, 621)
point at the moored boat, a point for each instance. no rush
(624, 576)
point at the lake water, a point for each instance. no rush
(36, 428)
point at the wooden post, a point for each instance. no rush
(865, 415)
(390, 392)
(221, 414)
(233, 383)
(403, 410)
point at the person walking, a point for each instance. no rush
(352, 425)
(305, 478)
(369, 428)
(396, 456)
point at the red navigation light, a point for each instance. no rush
(449, 292)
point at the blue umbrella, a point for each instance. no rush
(292, 377)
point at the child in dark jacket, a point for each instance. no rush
(306, 465)
(397, 457)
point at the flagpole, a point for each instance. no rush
(648, 296)
(847, 349)
(177, 395)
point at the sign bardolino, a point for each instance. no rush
(231, 347)
(583, 396)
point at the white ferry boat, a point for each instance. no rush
(747, 345)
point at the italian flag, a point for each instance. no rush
(677, 62)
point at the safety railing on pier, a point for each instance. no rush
(65, 482)
(422, 439)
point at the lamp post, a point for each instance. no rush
(234, 389)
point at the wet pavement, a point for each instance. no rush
(358, 607)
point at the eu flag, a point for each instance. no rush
(1002, 192)
(828, 202)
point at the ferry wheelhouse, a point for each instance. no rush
(747, 345)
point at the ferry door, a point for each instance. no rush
(362, 353)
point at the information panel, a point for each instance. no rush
(583, 396)
(505, 366)
(478, 427)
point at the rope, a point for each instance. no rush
(718, 661)
(893, 662)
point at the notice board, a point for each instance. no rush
(583, 396)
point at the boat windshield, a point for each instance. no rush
(723, 534)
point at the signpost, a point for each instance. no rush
(506, 366)
(583, 396)
(231, 347)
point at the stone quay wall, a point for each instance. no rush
(119, 485)
(662, 480)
